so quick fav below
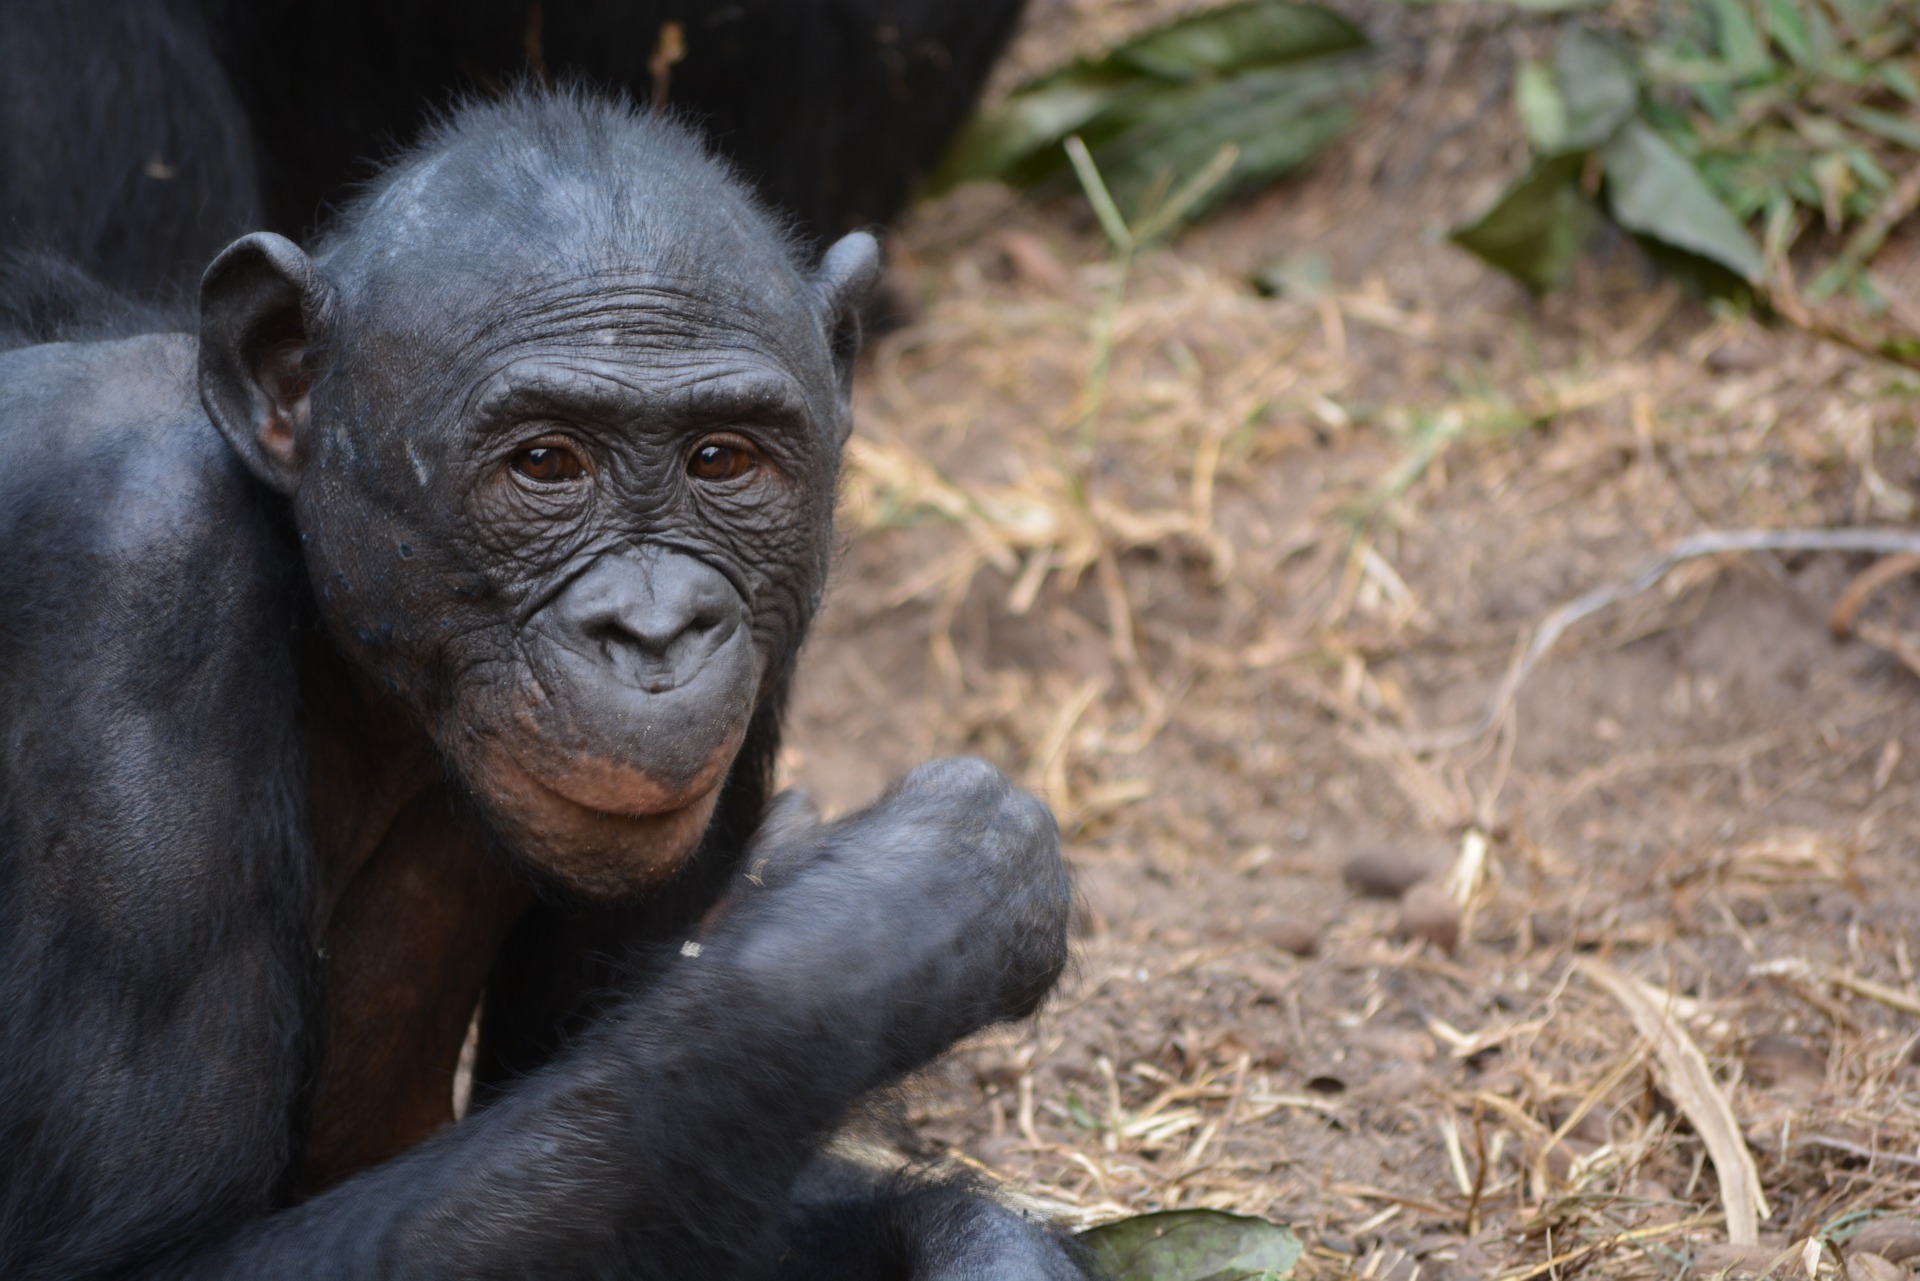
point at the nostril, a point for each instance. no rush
(659, 652)
(654, 620)
(657, 631)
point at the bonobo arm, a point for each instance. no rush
(666, 1141)
(156, 955)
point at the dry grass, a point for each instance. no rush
(1225, 624)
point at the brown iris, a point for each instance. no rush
(548, 464)
(721, 460)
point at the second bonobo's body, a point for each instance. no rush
(415, 636)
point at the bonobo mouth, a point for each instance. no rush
(620, 790)
(602, 847)
(639, 683)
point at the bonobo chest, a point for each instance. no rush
(415, 911)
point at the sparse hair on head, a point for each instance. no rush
(560, 173)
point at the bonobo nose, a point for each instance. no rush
(654, 616)
(644, 679)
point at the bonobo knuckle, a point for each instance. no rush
(972, 793)
(958, 778)
(1029, 820)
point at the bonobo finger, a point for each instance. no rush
(1015, 860)
(986, 1241)
(1012, 831)
(953, 776)
(944, 904)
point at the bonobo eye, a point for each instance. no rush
(721, 458)
(548, 464)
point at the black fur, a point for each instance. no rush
(207, 590)
(46, 298)
(138, 136)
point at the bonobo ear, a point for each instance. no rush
(262, 305)
(846, 280)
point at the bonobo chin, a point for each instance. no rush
(399, 660)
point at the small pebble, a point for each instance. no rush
(1737, 356)
(1295, 934)
(1775, 1060)
(1390, 872)
(1428, 912)
(1895, 1240)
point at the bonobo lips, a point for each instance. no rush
(597, 852)
(644, 682)
(617, 788)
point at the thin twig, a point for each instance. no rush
(1651, 1233)
(1719, 542)
(1796, 967)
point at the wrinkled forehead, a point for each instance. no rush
(672, 317)
(615, 337)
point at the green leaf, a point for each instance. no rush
(1788, 27)
(1236, 37)
(1823, 42)
(1845, 68)
(1536, 231)
(1739, 43)
(1898, 79)
(1277, 119)
(1885, 124)
(1867, 170)
(1863, 15)
(1717, 100)
(1653, 192)
(1543, 112)
(1031, 122)
(1275, 78)
(1192, 1245)
(1599, 86)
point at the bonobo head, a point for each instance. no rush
(559, 414)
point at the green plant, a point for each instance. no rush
(1717, 117)
(1274, 79)
(1193, 1245)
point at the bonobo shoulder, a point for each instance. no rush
(119, 500)
(112, 435)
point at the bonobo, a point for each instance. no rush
(414, 640)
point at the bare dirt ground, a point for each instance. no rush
(1238, 616)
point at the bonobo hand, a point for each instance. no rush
(940, 908)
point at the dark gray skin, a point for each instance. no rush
(468, 559)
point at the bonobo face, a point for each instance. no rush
(574, 520)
